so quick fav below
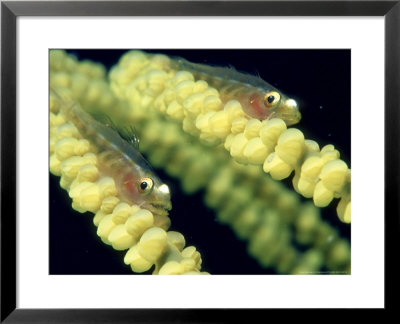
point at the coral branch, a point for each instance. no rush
(250, 141)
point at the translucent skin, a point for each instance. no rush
(254, 105)
(248, 89)
(128, 181)
(120, 160)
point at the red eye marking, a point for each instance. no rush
(257, 105)
(253, 97)
(129, 183)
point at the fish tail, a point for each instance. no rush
(73, 112)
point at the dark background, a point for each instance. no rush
(318, 79)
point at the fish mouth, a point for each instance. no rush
(291, 118)
(159, 208)
(289, 112)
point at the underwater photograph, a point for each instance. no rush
(200, 161)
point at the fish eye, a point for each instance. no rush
(272, 99)
(145, 185)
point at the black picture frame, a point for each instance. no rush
(10, 10)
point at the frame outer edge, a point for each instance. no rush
(202, 8)
(8, 161)
(392, 150)
(8, 166)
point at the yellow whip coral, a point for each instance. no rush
(100, 171)
(142, 81)
(203, 112)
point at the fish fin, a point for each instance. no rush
(104, 119)
(127, 133)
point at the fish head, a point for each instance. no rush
(282, 107)
(145, 190)
(267, 104)
(158, 201)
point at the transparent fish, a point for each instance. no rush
(119, 158)
(258, 98)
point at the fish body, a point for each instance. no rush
(135, 180)
(258, 98)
